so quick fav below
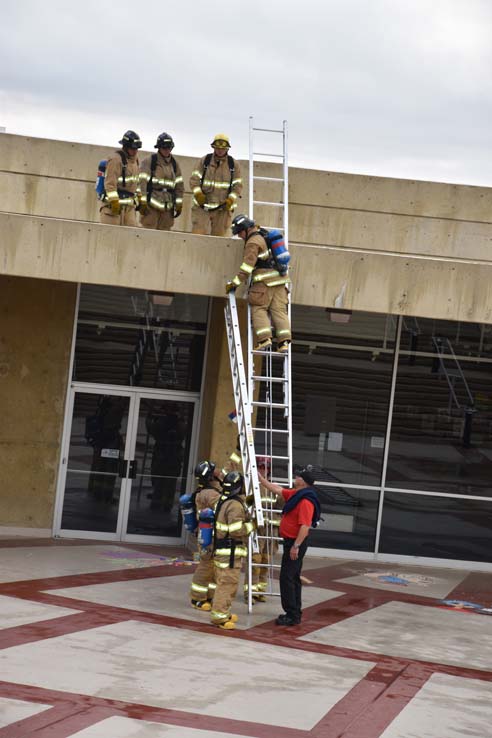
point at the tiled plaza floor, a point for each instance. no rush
(98, 641)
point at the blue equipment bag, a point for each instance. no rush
(206, 527)
(188, 510)
(276, 244)
(101, 173)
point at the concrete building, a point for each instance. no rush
(114, 368)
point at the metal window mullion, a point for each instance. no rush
(388, 434)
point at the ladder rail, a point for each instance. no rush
(270, 436)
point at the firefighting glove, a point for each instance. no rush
(143, 208)
(177, 211)
(230, 286)
(115, 207)
(200, 197)
(230, 203)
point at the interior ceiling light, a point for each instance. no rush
(162, 298)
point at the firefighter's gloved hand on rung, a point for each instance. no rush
(230, 203)
(200, 198)
(143, 208)
(115, 207)
(177, 210)
(230, 286)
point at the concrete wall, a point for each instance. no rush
(36, 321)
(381, 241)
(385, 245)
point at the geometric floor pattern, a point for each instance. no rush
(98, 641)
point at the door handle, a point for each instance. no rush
(122, 468)
(132, 469)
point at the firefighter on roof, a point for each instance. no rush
(216, 185)
(122, 184)
(162, 186)
(267, 295)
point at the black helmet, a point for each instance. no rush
(164, 141)
(232, 483)
(241, 223)
(204, 471)
(131, 140)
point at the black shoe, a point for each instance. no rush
(287, 620)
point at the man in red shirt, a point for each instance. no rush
(301, 509)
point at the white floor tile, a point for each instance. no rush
(14, 612)
(446, 707)
(174, 668)
(418, 581)
(119, 727)
(21, 564)
(415, 632)
(13, 710)
(170, 596)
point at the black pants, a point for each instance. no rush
(290, 579)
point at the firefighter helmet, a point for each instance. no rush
(241, 223)
(164, 141)
(204, 471)
(131, 140)
(221, 141)
(232, 483)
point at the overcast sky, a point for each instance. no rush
(397, 88)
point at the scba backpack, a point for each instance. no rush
(101, 175)
(276, 245)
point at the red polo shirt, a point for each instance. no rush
(302, 514)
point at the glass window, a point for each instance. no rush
(349, 518)
(441, 436)
(341, 380)
(436, 527)
(139, 338)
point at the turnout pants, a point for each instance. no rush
(203, 582)
(290, 580)
(226, 581)
(127, 216)
(211, 222)
(269, 305)
(159, 220)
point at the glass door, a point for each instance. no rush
(162, 439)
(126, 462)
(95, 474)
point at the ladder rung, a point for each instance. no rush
(257, 403)
(270, 353)
(269, 379)
(270, 430)
(262, 153)
(270, 179)
(265, 202)
(268, 130)
(280, 458)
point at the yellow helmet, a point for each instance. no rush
(221, 141)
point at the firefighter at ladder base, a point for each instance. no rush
(122, 195)
(267, 294)
(268, 536)
(204, 501)
(232, 527)
(216, 185)
(162, 186)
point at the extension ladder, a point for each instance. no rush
(270, 381)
